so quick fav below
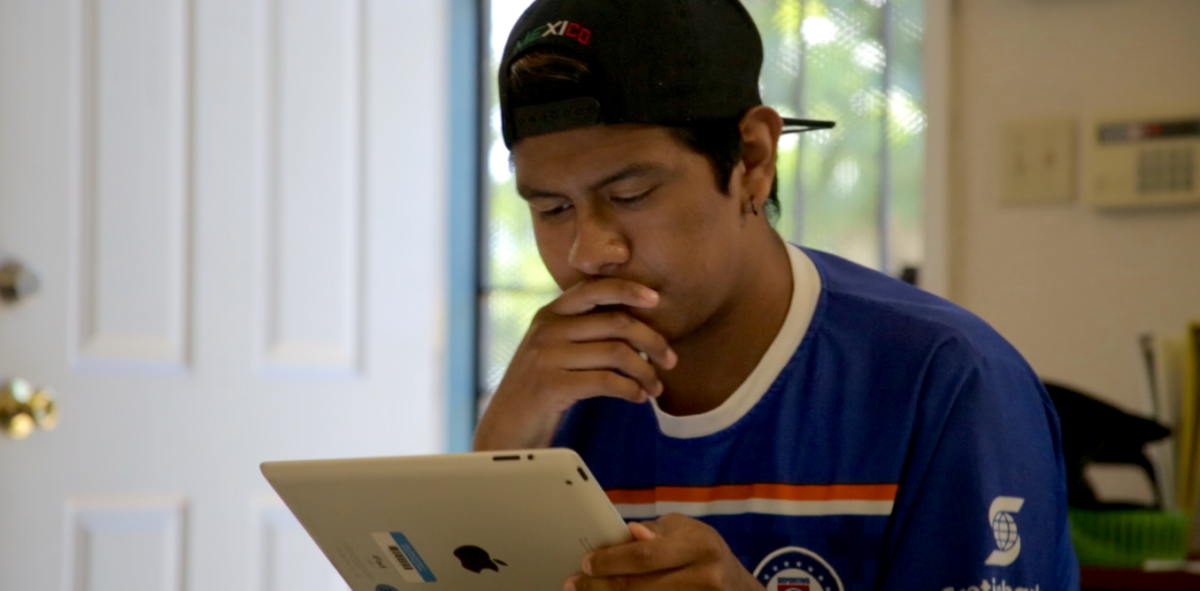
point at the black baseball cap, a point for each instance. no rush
(662, 62)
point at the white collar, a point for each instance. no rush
(806, 290)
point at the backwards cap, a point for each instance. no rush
(662, 62)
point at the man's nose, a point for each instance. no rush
(598, 248)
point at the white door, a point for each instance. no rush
(235, 211)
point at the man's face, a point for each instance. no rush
(631, 201)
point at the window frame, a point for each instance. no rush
(467, 30)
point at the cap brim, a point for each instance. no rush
(791, 125)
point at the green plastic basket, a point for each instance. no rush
(1128, 538)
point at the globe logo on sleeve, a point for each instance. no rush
(1004, 530)
(797, 569)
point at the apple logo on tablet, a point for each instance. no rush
(475, 559)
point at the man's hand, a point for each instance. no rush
(674, 552)
(577, 347)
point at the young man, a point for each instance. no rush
(779, 417)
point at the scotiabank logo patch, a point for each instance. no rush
(1004, 529)
(566, 29)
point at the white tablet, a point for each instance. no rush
(519, 520)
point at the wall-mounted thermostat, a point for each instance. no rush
(1143, 161)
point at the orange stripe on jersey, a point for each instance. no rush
(738, 492)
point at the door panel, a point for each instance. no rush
(125, 543)
(286, 557)
(234, 210)
(314, 211)
(130, 278)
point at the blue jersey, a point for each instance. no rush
(899, 443)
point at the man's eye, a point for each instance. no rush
(630, 199)
(554, 211)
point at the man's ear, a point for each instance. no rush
(760, 128)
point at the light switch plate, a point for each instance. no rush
(1039, 163)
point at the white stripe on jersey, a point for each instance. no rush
(766, 506)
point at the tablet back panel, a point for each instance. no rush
(485, 521)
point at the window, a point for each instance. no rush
(855, 191)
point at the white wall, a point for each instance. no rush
(1070, 286)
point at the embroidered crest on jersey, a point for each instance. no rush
(797, 569)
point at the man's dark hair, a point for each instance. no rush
(545, 77)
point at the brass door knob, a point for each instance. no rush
(24, 409)
(17, 282)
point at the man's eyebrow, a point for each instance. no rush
(633, 170)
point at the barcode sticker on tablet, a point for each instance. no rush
(404, 557)
(401, 558)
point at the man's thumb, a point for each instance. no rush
(641, 533)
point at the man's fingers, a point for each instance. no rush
(586, 296)
(546, 377)
(602, 382)
(669, 542)
(672, 522)
(611, 355)
(641, 532)
(639, 557)
(650, 582)
(672, 552)
(615, 325)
